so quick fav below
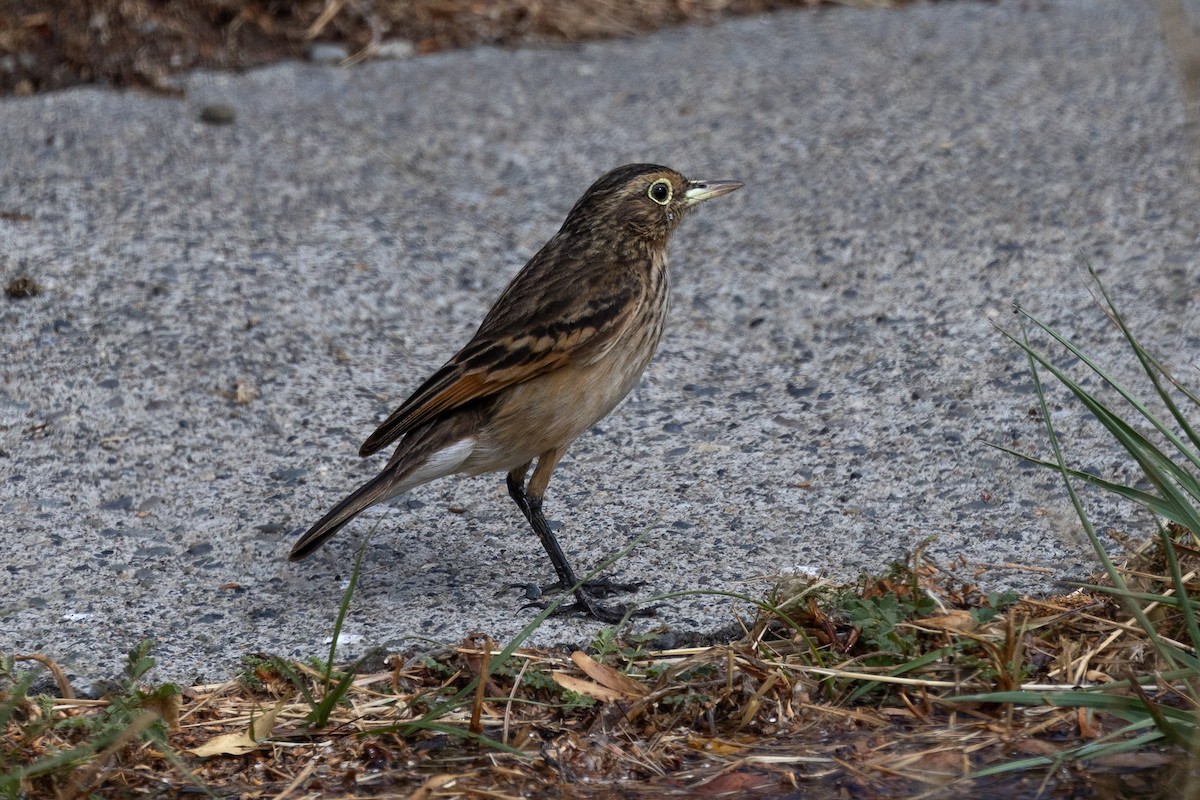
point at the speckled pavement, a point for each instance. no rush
(228, 310)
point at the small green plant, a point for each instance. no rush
(997, 603)
(436, 667)
(133, 714)
(615, 649)
(879, 619)
(254, 665)
(531, 677)
(575, 700)
(606, 643)
(682, 700)
(879, 608)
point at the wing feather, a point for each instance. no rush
(524, 335)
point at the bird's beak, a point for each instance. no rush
(699, 191)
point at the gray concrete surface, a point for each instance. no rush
(829, 363)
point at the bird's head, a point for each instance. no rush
(645, 201)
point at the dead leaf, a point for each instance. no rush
(244, 392)
(426, 789)
(236, 744)
(1034, 747)
(714, 746)
(939, 763)
(739, 783)
(953, 621)
(166, 706)
(1139, 760)
(607, 676)
(587, 688)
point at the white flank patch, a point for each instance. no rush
(446, 461)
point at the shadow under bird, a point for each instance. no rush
(562, 346)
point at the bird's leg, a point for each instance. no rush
(531, 507)
(529, 500)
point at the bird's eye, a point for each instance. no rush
(660, 191)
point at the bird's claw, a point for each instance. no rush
(587, 606)
(531, 590)
(599, 588)
(587, 599)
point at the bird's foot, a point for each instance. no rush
(586, 600)
(599, 588)
(587, 605)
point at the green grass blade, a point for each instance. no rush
(1186, 609)
(1121, 429)
(1175, 655)
(1178, 733)
(1074, 698)
(1097, 546)
(908, 666)
(334, 692)
(1097, 749)
(1125, 393)
(294, 678)
(1175, 725)
(1150, 364)
(1152, 502)
(487, 741)
(1153, 461)
(323, 710)
(1169, 600)
(1158, 469)
(344, 607)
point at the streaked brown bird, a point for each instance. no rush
(565, 342)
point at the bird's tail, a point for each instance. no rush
(379, 488)
(428, 454)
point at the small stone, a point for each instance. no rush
(396, 49)
(288, 475)
(218, 114)
(326, 53)
(122, 503)
(150, 503)
(22, 286)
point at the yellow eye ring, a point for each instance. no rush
(660, 191)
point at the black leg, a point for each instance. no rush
(531, 507)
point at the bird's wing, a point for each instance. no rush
(540, 323)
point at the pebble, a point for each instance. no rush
(218, 114)
(396, 49)
(326, 53)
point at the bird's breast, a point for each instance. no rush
(551, 410)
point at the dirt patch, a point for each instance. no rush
(141, 43)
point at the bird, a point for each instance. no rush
(564, 343)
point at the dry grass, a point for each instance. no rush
(804, 701)
(140, 43)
